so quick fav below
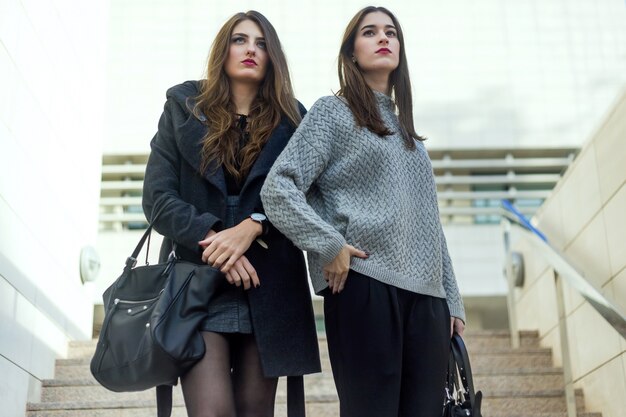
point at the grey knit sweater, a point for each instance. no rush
(336, 183)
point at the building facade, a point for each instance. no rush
(507, 92)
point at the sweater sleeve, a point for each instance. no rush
(178, 219)
(293, 174)
(453, 296)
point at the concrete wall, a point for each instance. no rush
(51, 102)
(478, 256)
(584, 218)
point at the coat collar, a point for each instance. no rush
(190, 128)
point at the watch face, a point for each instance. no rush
(258, 217)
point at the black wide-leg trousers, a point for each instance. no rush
(388, 349)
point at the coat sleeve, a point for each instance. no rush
(177, 219)
(293, 174)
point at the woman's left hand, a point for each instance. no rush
(243, 273)
(222, 249)
(456, 325)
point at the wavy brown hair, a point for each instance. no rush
(275, 100)
(360, 96)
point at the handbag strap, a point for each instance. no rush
(164, 400)
(131, 261)
(295, 396)
(452, 380)
(465, 370)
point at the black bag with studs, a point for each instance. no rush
(150, 335)
(461, 400)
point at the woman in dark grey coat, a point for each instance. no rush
(217, 140)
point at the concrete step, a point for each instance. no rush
(489, 358)
(562, 414)
(478, 339)
(520, 379)
(313, 410)
(75, 369)
(82, 357)
(321, 384)
(503, 365)
(109, 399)
(506, 358)
(474, 340)
(515, 383)
(320, 389)
(531, 402)
(119, 409)
(495, 403)
(317, 386)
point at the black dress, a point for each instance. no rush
(229, 311)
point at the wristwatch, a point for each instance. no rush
(261, 219)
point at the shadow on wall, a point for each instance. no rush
(31, 343)
(33, 294)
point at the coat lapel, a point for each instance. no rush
(189, 137)
(273, 147)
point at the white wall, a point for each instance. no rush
(486, 73)
(478, 258)
(52, 55)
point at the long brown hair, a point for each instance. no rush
(275, 100)
(360, 96)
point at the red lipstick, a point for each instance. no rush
(249, 62)
(383, 51)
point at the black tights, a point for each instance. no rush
(229, 381)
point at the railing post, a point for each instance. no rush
(570, 395)
(508, 272)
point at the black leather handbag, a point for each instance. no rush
(150, 335)
(461, 400)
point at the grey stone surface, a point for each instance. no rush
(515, 382)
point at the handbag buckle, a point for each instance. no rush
(171, 259)
(131, 262)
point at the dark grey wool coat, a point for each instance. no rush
(281, 308)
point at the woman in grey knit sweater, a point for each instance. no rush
(354, 187)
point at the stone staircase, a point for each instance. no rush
(515, 383)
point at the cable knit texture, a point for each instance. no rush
(336, 183)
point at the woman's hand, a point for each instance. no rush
(223, 249)
(336, 272)
(456, 325)
(244, 273)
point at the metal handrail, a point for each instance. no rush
(557, 260)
